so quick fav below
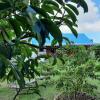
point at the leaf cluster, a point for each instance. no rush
(22, 20)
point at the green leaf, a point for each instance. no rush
(65, 38)
(50, 2)
(2, 69)
(19, 77)
(60, 2)
(75, 10)
(54, 42)
(10, 76)
(81, 3)
(36, 72)
(62, 60)
(74, 31)
(36, 91)
(4, 6)
(71, 14)
(48, 9)
(54, 61)
(53, 29)
(84, 5)
(70, 25)
(16, 26)
(6, 50)
(41, 11)
(68, 22)
(23, 22)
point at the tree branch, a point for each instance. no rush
(38, 47)
(16, 94)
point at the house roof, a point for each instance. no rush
(82, 39)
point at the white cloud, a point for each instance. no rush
(89, 27)
(89, 22)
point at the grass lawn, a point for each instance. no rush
(8, 94)
(49, 92)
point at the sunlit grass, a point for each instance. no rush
(49, 92)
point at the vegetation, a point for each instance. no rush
(79, 68)
(22, 20)
(68, 77)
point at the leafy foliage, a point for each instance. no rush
(20, 21)
(72, 75)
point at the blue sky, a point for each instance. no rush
(95, 35)
(97, 2)
(89, 23)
